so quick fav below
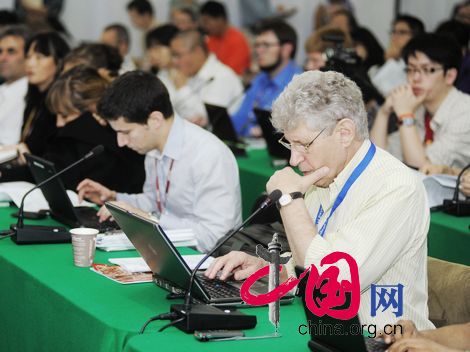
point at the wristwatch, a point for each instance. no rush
(286, 199)
(407, 121)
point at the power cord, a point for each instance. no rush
(163, 316)
(171, 324)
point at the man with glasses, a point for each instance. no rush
(357, 199)
(434, 124)
(391, 74)
(275, 47)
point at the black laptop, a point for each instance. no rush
(221, 125)
(275, 149)
(324, 330)
(59, 202)
(169, 269)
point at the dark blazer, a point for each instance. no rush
(120, 169)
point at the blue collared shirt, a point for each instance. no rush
(263, 91)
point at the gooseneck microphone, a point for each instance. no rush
(45, 234)
(203, 316)
(455, 206)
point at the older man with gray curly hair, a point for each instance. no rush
(352, 197)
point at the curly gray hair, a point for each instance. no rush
(321, 99)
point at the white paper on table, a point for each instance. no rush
(137, 264)
(35, 201)
(118, 241)
(7, 155)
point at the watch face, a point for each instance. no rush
(285, 199)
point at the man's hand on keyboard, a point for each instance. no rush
(240, 264)
(95, 192)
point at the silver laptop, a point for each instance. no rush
(170, 270)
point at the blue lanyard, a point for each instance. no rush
(344, 191)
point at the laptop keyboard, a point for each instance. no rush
(87, 216)
(218, 288)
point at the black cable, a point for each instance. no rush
(171, 324)
(163, 316)
(6, 236)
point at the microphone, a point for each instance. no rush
(46, 234)
(455, 206)
(206, 317)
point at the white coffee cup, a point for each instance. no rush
(84, 245)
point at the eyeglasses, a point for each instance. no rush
(423, 71)
(265, 45)
(299, 147)
(400, 32)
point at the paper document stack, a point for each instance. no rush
(118, 241)
(14, 191)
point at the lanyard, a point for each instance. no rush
(344, 191)
(160, 204)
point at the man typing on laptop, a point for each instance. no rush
(191, 176)
(358, 198)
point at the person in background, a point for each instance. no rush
(344, 20)
(368, 49)
(117, 36)
(103, 58)
(73, 98)
(318, 42)
(201, 75)
(432, 114)
(391, 75)
(323, 12)
(141, 15)
(13, 91)
(191, 176)
(225, 41)
(461, 32)
(275, 47)
(45, 53)
(185, 18)
(159, 56)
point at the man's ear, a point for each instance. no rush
(451, 76)
(155, 120)
(286, 50)
(347, 131)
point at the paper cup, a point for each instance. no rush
(84, 245)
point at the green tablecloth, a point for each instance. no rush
(48, 304)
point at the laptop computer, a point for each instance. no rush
(169, 269)
(275, 149)
(222, 127)
(328, 334)
(61, 207)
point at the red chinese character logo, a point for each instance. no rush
(332, 294)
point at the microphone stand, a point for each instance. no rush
(207, 317)
(28, 234)
(455, 206)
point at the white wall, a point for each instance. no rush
(85, 19)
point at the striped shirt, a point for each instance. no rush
(382, 223)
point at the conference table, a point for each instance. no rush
(48, 304)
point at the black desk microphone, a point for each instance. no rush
(45, 234)
(206, 317)
(455, 206)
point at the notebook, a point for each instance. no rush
(59, 203)
(169, 269)
(222, 127)
(275, 149)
